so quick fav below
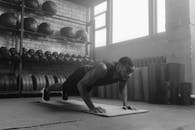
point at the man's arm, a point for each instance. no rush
(123, 95)
(123, 92)
(89, 79)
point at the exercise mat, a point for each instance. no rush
(111, 110)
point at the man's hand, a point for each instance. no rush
(129, 107)
(98, 110)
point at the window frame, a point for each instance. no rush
(152, 21)
(101, 27)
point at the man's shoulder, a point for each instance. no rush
(101, 66)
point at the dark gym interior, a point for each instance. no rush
(42, 42)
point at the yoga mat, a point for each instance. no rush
(111, 110)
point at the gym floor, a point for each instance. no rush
(28, 113)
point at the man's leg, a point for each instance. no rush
(64, 91)
(46, 91)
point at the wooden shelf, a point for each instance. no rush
(8, 92)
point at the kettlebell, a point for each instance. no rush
(14, 53)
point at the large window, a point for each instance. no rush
(127, 19)
(161, 16)
(100, 24)
(130, 19)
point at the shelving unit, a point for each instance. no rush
(21, 34)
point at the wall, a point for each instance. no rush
(192, 27)
(175, 43)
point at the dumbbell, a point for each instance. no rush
(54, 56)
(67, 58)
(50, 57)
(5, 53)
(60, 58)
(79, 58)
(41, 55)
(14, 54)
(73, 59)
(31, 53)
(25, 55)
(85, 60)
(35, 57)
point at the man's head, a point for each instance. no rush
(125, 67)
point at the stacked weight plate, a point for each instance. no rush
(27, 83)
(4, 83)
(12, 83)
(59, 79)
(8, 83)
(50, 81)
(39, 81)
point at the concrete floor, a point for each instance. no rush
(27, 113)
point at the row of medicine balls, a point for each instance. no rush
(48, 7)
(30, 24)
(10, 19)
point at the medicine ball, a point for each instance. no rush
(30, 24)
(33, 4)
(81, 35)
(8, 19)
(67, 32)
(49, 7)
(45, 28)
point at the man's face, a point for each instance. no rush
(125, 71)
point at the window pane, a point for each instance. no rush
(160, 16)
(100, 38)
(130, 19)
(100, 20)
(100, 8)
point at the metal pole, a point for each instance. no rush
(20, 48)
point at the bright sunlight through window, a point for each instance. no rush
(130, 19)
(160, 16)
(100, 24)
(100, 38)
(100, 8)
